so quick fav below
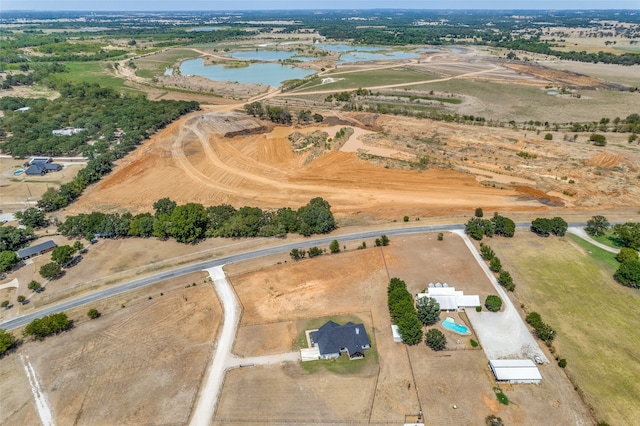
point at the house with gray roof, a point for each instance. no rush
(36, 250)
(333, 339)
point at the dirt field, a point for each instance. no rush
(278, 300)
(141, 364)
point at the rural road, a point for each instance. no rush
(23, 320)
(208, 396)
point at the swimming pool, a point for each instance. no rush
(450, 324)
(17, 172)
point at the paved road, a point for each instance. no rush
(208, 396)
(580, 232)
(184, 270)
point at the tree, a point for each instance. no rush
(7, 260)
(428, 310)
(562, 363)
(13, 239)
(316, 218)
(93, 313)
(50, 270)
(314, 251)
(628, 234)
(503, 225)
(598, 139)
(597, 226)
(21, 298)
(410, 329)
(435, 339)
(164, 206)
(626, 254)
(544, 227)
(7, 340)
(495, 265)
(5, 304)
(34, 286)
(628, 274)
(40, 328)
(62, 255)
(188, 222)
(548, 137)
(505, 280)
(384, 240)
(478, 228)
(479, 212)
(334, 247)
(32, 218)
(486, 252)
(405, 219)
(493, 303)
(297, 254)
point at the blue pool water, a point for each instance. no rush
(17, 172)
(450, 324)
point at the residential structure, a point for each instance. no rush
(42, 168)
(333, 339)
(449, 299)
(36, 250)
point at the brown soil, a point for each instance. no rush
(561, 77)
(138, 364)
(277, 302)
(608, 161)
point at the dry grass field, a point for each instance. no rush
(137, 364)
(597, 328)
(278, 301)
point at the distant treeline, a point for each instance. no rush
(192, 222)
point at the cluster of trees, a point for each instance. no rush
(542, 329)
(403, 313)
(428, 310)
(40, 328)
(477, 227)
(435, 339)
(545, 227)
(278, 114)
(192, 222)
(7, 341)
(597, 226)
(11, 240)
(504, 277)
(628, 234)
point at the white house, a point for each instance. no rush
(449, 299)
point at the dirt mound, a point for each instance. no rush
(562, 77)
(529, 193)
(607, 160)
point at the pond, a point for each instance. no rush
(367, 56)
(262, 55)
(260, 73)
(348, 48)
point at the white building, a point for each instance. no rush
(449, 299)
(515, 371)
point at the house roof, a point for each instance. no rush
(332, 338)
(450, 299)
(36, 169)
(38, 248)
(515, 370)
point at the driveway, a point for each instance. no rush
(502, 334)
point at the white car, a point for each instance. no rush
(538, 360)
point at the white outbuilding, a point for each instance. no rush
(515, 371)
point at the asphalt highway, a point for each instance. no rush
(220, 261)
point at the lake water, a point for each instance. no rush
(262, 73)
(367, 56)
(262, 55)
(348, 48)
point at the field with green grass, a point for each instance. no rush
(153, 65)
(371, 78)
(604, 258)
(505, 102)
(608, 239)
(94, 73)
(595, 318)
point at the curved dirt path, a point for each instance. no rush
(580, 232)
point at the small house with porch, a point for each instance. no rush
(333, 339)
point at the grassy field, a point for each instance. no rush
(151, 66)
(608, 239)
(504, 101)
(93, 73)
(371, 78)
(606, 259)
(595, 318)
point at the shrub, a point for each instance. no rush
(478, 308)
(626, 254)
(21, 299)
(562, 363)
(406, 218)
(479, 212)
(334, 247)
(5, 304)
(548, 137)
(440, 236)
(93, 313)
(495, 265)
(435, 339)
(628, 274)
(474, 344)
(314, 251)
(486, 252)
(505, 280)
(493, 303)
(598, 139)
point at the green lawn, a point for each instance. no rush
(596, 319)
(93, 72)
(609, 240)
(605, 258)
(354, 80)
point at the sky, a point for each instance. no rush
(173, 5)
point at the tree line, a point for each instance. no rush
(191, 222)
